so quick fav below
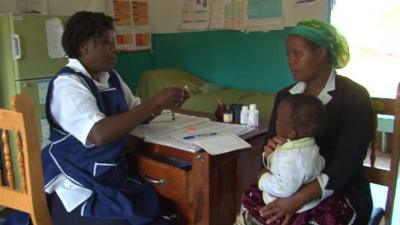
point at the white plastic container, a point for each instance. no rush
(244, 115)
(253, 115)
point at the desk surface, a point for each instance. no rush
(215, 183)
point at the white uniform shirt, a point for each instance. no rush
(74, 108)
(289, 167)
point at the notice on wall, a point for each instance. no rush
(32, 6)
(196, 14)
(217, 18)
(263, 15)
(132, 24)
(250, 15)
(298, 10)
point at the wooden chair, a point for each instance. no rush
(20, 125)
(383, 176)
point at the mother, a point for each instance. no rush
(314, 50)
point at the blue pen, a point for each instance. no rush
(200, 135)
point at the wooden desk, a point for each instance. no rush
(210, 192)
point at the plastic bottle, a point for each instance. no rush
(228, 115)
(236, 108)
(253, 115)
(244, 115)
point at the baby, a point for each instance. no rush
(300, 118)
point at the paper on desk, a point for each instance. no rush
(222, 143)
(167, 140)
(162, 130)
(226, 127)
(163, 124)
(217, 144)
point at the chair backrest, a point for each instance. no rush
(386, 110)
(22, 157)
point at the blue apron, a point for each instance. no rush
(117, 193)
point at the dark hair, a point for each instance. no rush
(81, 26)
(308, 116)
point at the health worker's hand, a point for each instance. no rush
(171, 97)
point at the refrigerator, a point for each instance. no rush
(30, 54)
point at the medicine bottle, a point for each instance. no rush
(236, 108)
(244, 115)
(219, 112)
(228, 115)
(253, 115)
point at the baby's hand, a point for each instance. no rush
(271, 145)
(267, 152)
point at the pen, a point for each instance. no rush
(200, 135)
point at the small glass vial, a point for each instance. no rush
(244, 115)
(253, 115)
(228, 115)
(219, 112)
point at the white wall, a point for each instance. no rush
(61, 7)
(165, 14)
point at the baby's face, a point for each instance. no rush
(283, 120)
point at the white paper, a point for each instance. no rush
(44, 124)
(298, 10)
(236, 129)
(263, 15)
(165, 131)
(167, 140)
(196, 14)
(32, 6)
(72, 195)
(132, 24)
(233, 14)
(221, 142)
(164, 124)
(42, 90)
(54, 31)
(217, 14)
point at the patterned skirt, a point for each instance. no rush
(334, 210)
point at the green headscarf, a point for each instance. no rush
(326, 36)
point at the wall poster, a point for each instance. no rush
(132, 24)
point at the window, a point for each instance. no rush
(373, 33)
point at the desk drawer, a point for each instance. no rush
(169, 181)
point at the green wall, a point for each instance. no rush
(249, 61)
(130, 66)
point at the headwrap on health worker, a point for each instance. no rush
(325, 35)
